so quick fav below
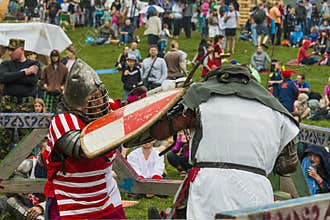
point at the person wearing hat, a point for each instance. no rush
(19, 76)
(316, 167)
(52, 80)
(131, 75)
(287, 91)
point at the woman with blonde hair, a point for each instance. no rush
(39, 106)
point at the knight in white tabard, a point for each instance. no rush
(239, 131)
(78, 187)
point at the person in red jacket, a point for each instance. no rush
(304, 57)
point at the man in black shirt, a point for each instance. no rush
(54, 10)
(19, 77)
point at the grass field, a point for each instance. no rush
(105, 56)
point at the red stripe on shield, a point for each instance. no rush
(119, 113)
(143, 115)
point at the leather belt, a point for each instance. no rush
(224, 165)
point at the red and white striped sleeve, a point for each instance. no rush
(61, 124)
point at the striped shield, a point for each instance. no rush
(127, 122)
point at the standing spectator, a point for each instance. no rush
(217, 52)
(301, 15)
(259, 59)
(303, 56)
(88, 7)
(276, 15)
(99, 11)
(187, 15)
(131, 76)
(177, 18)
(231, 21)
(70, 58)
(302, 85)
(327, 93)
(259, 17)
(64, 15)
(290, 22)
(287, 91)
(146, 162)
(308, 7)
(105, 34)
(154, 69)
(54, 10)
(324, 11)
(315, 15)
(72, 13)
(126, 32)
(153, 25)
(135, 51)
(19, 77)
(115, 18)
(52, 81)
(222, 26)
(134, 12)
(174, 62)
(168, 14)
(29, 6)
(213, 22)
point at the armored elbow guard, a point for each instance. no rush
(69, 144)
(288, 159)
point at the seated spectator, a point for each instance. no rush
(275, 78)
(304, 57)
(313, 36)
(246, 31)
(178, 157)
(287, 91)
(315, 166)
(302, 85)
(126, 32)
(324, 26)
(296, 37)
(105, 34)
(146, 162)
(327, 94)
(208, 62)
(135, 51)
(131, 76)
(202, 49)
(322, 43)
(259, 59)
(301, 109)
(121, 62)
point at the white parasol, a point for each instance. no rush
(158, 9)
(41, 38)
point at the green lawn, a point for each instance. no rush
(105, 56)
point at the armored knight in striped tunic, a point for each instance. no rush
(78, 187)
